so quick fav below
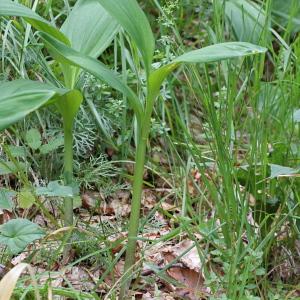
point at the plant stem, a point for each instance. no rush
(135, 214)
(137, 193)
(68, 172)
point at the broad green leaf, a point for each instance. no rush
(21, 97)
(8, 167)
(52, 145)
(247, 19)
(6, 199)
(17, 234)
(90, 29)
(208, 54)
(269, 97)
(220, 52)
(281, 171)
(54, 189)
(259, 272)
(65, 54)
(14, 9)
(17, 151)
(33, 139)
(25, 198)
(131, 17)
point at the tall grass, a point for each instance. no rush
(247, 122)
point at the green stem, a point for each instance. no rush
(135, 215)
(68, 172)
(136, 196)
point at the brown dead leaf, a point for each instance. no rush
(118, 204)
(154, 255)
(1, 214)
(40, 220)
(122, 195)
(160, 218)
(92, 220)
(115, 274)
(80, 279)
(147, 296)
(120, 209)
(167, 206)
(148, 199)
(5, 216)
(191, 188)
(191, 280)
(89, 199)
(191, 259)
(56, 279)
(188, 270)
(160, 296)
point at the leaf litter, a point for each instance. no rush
(182, 272)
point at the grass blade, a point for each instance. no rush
(13, 9)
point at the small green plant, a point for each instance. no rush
(88, 29)
(34, 141)
(133, 20)
(17, 234)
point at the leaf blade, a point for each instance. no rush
(134, 21)
(90, 28)
(17, 234)
(247, 20)
(6, 199)
(208, 54)
(33, 139)
(21, 97)
(220, 52)
(66, 54)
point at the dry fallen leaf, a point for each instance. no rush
(161, 296)
(80, 279)
(54, 279)
(190, 259)
(5, 216)
(115, 274)
(91, 199)
(120, 209)
(167, 206)
(148, 199)
(188, 270)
